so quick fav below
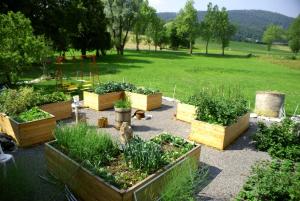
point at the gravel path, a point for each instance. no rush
(228, 169)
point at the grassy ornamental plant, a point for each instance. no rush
(219, 106)
(122, 168)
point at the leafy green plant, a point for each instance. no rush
(124, 104)
(113, 87)
(274, 181)
(279, 140)
(31, 115)
(145, 91)
(143, 155)
(42, 98)
(86, 144)
(13, 102)
(219, 106)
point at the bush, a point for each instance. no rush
(31, 115)
(272, 181)
(13, 102)
(219, 106)
(279, 140)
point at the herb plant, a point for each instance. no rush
(31, 115)
(273, 181)
(124, 104)
(279, 140)
(219, 106)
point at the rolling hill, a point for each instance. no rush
(251, 23)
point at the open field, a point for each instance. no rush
(166, 69)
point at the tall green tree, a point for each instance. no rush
(122, 15)
(294, 35)
(207, 26)
(272, 33)
(156, 31)
(224, 30)
(187, 23)
(145, 15)
(19, 47)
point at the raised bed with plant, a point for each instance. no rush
(105, 95)
(26, 124)
(221, 117)
(122, 113)
(186, 110)
(95, 168)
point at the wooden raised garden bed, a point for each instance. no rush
(28, 133)
(101, 102)
(60, 110)
(145, 102)
(218, 136)
(186, 112)
(90, 187)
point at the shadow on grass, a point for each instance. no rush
(229, 56)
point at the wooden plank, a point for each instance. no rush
(60, 110)
(90, 187)
(101, 102)
(144, 102)
(29, 133)
(216, 135)
(186, 112)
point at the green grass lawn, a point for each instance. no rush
(165, 70)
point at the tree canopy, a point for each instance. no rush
(272, 33)
(294, 35)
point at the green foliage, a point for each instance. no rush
(183, 182)
(155, 31)
(13, 102)
(273, 181)
(294, 35)
(124, 104)
(187, 23)
(18, 46)
(145, 91)
(33, 114)
(143, 155)
(113, 87)
(279, 140)
(219, 106)
(273, 33)
(42, 98)
(86, 144)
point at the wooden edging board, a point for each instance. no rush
(186, 112)
(60, 110)
(28, 133)
(90, 187)
(218, 136)
(144, 102)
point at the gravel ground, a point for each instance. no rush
(228, 170)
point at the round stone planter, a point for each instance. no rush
(269, 104)
(122, 115)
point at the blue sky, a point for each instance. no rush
(287, 7)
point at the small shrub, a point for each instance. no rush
(219, 106)
(31, 115)
(125, 104)
(273, 181)
(279, 140)
(142, 155)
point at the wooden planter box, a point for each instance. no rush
(101, 102)
(216, 135)
(60, 110)
(145, 102)
(89, 187)
(28, 133)
(186, 112)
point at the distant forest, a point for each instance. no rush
(250, 23)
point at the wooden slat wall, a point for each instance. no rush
(218, 136)
(145, 102)
(186, 112)
(107, 101)
(61, 110)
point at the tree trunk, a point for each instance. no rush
(191, 48)
(269, 47)
(155, 48)
(8, 78)
(121, 50)
(223, 50)
(103, 52)
(206, 47)
(137, 42)
(83, 52)
(97, 53)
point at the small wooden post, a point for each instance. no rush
(102, 122)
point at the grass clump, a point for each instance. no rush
(124, 104)
(86, 144)
(275, 181)
(33, 114)
(219, 106)
(279, 140)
